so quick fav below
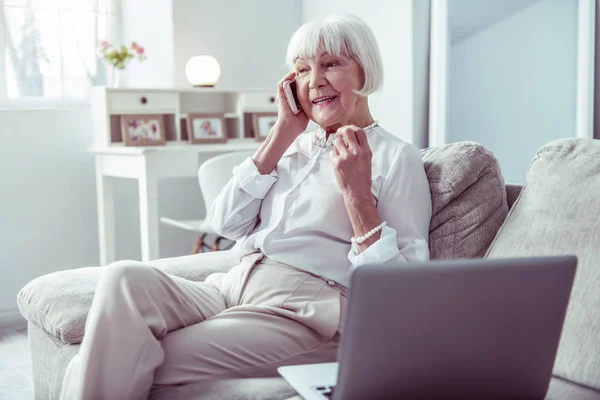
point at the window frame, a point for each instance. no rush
(43, 103)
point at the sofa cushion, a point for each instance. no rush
(231, 389)
(558, 212)
(59, 302)
(468, 199)
(560, 389)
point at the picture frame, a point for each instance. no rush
(262, 123)
(143, 130)
(206, 128)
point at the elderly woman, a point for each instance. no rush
(305, 210)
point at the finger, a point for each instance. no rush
(288, 77)
(340, 135)
(361, 136)
(351, 139)
(341, 139)
(334, 156)
(340, 145)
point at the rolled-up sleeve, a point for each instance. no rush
(251, 181)
(405, 204)
(234, 213)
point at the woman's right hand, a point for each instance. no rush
(291, 124)
(283, 134)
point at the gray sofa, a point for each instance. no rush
(474, 215)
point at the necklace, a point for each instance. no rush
(324, 143)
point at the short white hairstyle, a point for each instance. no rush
(340, 35)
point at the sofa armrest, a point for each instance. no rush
(59, 302)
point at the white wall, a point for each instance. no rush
(420, 49)
(249, 38)
(47, 207)
(402, 31)
(513, 85)
(152, 28)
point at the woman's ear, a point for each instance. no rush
(363, 78)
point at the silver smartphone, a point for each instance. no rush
(289, 88)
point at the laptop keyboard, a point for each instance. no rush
(326, 391)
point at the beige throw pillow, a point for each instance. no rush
(468, 199)
(558, 212)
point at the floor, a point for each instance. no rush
(16, 382)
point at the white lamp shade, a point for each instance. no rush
(203, 71)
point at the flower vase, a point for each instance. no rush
(117, 78)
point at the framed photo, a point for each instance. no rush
(263, 123)
(206, 128)
(143, 130)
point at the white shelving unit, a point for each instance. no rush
(178, 158)
(237, 106)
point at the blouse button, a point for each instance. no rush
(331, 283)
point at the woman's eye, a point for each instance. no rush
(301, 70)
(331, 64)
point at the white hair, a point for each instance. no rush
(340, 35)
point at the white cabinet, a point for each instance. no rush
(256, 101)
(236, 105)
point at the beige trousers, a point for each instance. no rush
(147, 330)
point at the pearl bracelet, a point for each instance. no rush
(373, 231)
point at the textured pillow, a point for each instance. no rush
(468, 199)
(558, 212)
(59, 302)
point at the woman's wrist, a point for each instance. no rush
(362, 239)
(364, 217)
(271, 150)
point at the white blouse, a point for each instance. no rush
(296, 214)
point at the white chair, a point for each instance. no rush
(213, 174)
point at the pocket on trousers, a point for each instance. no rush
(315, 304)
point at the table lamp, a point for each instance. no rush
(203, 71)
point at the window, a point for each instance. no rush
(49, 47)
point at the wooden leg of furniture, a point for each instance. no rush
(216, 245)
(198, 247)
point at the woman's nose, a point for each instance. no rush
(317, 79)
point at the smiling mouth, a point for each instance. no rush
(324, 101)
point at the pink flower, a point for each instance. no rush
(134, 45)
(104, 44)
(140, 51)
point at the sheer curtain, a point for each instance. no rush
(50, 46)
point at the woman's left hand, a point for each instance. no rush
(351, 156)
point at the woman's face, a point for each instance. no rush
(325, 85)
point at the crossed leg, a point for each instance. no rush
(243, 341)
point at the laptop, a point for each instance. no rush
(453, 329)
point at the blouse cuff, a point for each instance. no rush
(251, 181)
(383, 250)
